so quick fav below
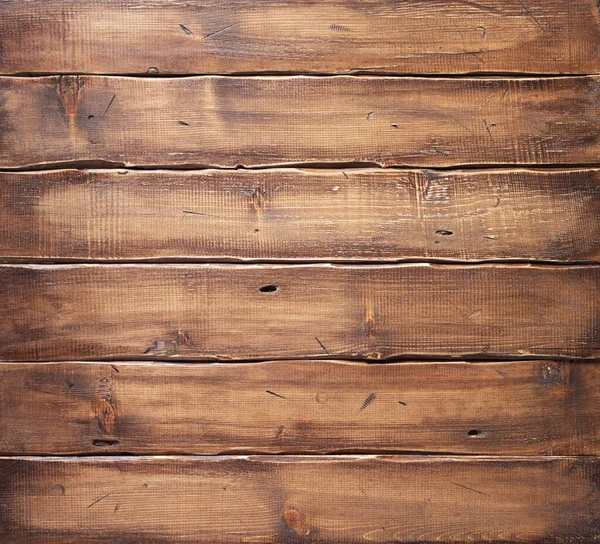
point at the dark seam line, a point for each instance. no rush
(291, 73)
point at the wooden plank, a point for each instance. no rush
(228, 312)
(332, 36)
(300, 499)
(301, 215)
(268, 121)
(523, 408)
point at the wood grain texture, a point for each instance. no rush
(331, 36)
(228, 312)
(267, 121)
(300, 499)
(522, 408)
(301, 215)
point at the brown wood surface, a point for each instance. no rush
(521, 408)
(329, 36)
(301, 215)
(311, 84)
(294, 499)
(261, 121)
(228, 312)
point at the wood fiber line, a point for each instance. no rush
(518, 408)
(269, 121)
(237, 312)
(301, 215)
(299, 499)
(331, 36)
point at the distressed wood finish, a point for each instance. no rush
(523, 408)
(331, 36)
(292, 499)
(259, 312)
(301, 215)
(262, 121)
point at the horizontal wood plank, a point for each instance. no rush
(228, 312)
(523, 408)
(301, 215)
(294, 499)
(330, 36)
(268, 121)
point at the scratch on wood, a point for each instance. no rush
(488, 130)
(109, 104)
(275, 394)
(98, 500)
(532, 16)
(321, 344)
(218, 31)
(188, 212)
(461, 124)
(469, 488)
(186, 30)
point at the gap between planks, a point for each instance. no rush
(357, 74)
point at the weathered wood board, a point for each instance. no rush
(485, 116)
(223, 312)
(518, 408)
(301, 215)
(329, 36)
(299, 499)
(267, 121)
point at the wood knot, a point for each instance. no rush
(104, 406)
(180, 341)
(371, 325)
(295, 520)
(68, 90)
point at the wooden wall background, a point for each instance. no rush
(294, 271)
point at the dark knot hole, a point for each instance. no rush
(268, 288)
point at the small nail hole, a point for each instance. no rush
(90, 116)
(268, 289)
(475, 432)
